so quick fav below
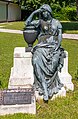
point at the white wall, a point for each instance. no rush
(14, 12)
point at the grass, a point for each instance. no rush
(61, 108)
(13, 25)
(72, 47)
(71, 31)
(68, 27)
(7, 44)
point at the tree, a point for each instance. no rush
(77, 6)
(56, 5)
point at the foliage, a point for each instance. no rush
(62, 9)
(31, 5)
(70, 13)
(70, 27)
(60, 13)
(65, 13)
(65, 3)
(50, 2)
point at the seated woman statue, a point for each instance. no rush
(48, 55)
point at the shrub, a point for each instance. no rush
(71, 13)
(61, 13)
(66, 13)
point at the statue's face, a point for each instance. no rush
(45, 14)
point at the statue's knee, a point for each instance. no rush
(34, 61)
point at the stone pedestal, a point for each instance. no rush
(17, 101)
(64, 76)
(21, 77)
(22, 70)
(24, 108)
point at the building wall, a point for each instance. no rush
(14, 12)
(9, 11)
(3, 13)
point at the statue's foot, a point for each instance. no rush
(45, 98)
(40, 93)
(50, 96)
(45, 101)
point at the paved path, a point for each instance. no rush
(11, 31)
(68, 36)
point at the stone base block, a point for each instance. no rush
(66, 79)
(11, 109)
(19, 82)
(61, 93)
(22, 71)
(64, 76)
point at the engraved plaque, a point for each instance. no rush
(1, 97)
(16, 96)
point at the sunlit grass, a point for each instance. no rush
(13, 25)
(7, 44)
(71, 31)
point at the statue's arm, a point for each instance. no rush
(59, 27)
(60, 35)
(29, 19)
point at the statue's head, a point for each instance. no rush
(46, 7)
(46, 11)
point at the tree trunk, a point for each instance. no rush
(77, 6)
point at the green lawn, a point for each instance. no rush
(68, 27)
(72, 47)
(13, 25)
(7, 44)
(61, 108)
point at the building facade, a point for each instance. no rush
(9, 11)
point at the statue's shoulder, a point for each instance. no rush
(57, 23)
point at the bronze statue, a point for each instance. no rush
(48, 55)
